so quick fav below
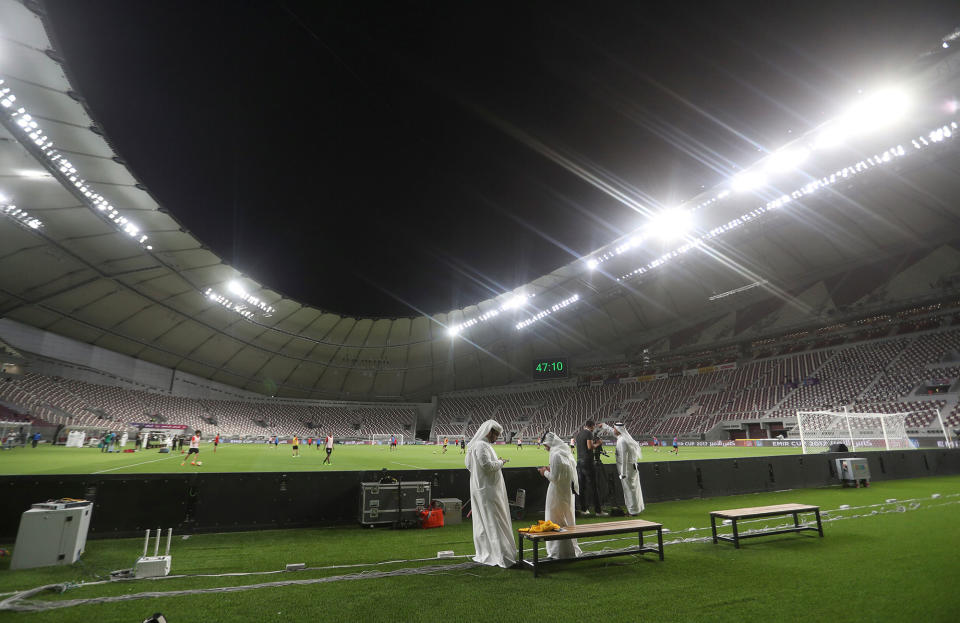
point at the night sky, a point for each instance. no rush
(395, 158)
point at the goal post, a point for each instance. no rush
(821, 429)
(383, 439)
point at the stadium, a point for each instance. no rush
(783, 344)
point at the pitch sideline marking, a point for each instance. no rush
(135, 464)
(408, 465)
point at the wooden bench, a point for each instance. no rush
(587, 530)
(764, 511)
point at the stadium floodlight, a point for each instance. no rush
(786, 159)
(880, 109)
(829, 136)
(748, 180)
(60, 168)
(592, 263)
(876, 111)
(235, 287)
(34, 174)
(453, 330)
(514, 302)
(669, 225)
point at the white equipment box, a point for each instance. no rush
(853, 472)
(52, 533)
(452, 510)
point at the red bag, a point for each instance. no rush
(431, 518)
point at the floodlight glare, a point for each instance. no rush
(670, 225)
(786, 159)
(514, 302)
(592, 263)
(453, 330)
(830, 136)
(876, 111)
(879, 109)
(33, 174)
(747, 180)
(236, 288)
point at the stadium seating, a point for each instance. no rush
(875, 369)
(66, 401)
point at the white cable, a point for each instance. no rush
(17, 603)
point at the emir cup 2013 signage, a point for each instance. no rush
(159, 426)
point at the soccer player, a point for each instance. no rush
(216, 442)
(656, 444)
(194, 449)
(329, 446)
(676, 446)
(276, 442)
(393, 442)
(463, 445)
(445, 442)
(296, 447)
(519, 443)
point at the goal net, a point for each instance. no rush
(821, 429)
(378, 439)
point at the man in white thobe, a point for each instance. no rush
(492, 530)
(628, 453)
(562, 474)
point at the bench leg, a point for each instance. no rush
(641, 539)
(536, 557)
(796, 520)
(736, 534)
(520, 549)
(713, 527)
(819, 525)
(660, 541)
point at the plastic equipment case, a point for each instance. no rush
(52, 533)
(379, 501)
(853, 472)
(452, 510)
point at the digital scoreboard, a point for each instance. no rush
(552, 368)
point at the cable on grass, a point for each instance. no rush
(19, 603)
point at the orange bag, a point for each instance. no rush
(432, 518)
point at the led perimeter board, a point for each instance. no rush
(553, 368)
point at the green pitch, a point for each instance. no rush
(878, 561)
(47, 459)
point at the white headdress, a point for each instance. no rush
(562, 450)
(481, 435)
(630, 440)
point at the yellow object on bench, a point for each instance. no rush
(638, 526)
(544, 525)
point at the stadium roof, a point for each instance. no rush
(88, 253)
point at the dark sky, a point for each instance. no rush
(387, 159)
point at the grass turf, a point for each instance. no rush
(46, 459)
(883, 566)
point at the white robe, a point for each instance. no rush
(492, 530)
(560, 505)
(627, 456)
